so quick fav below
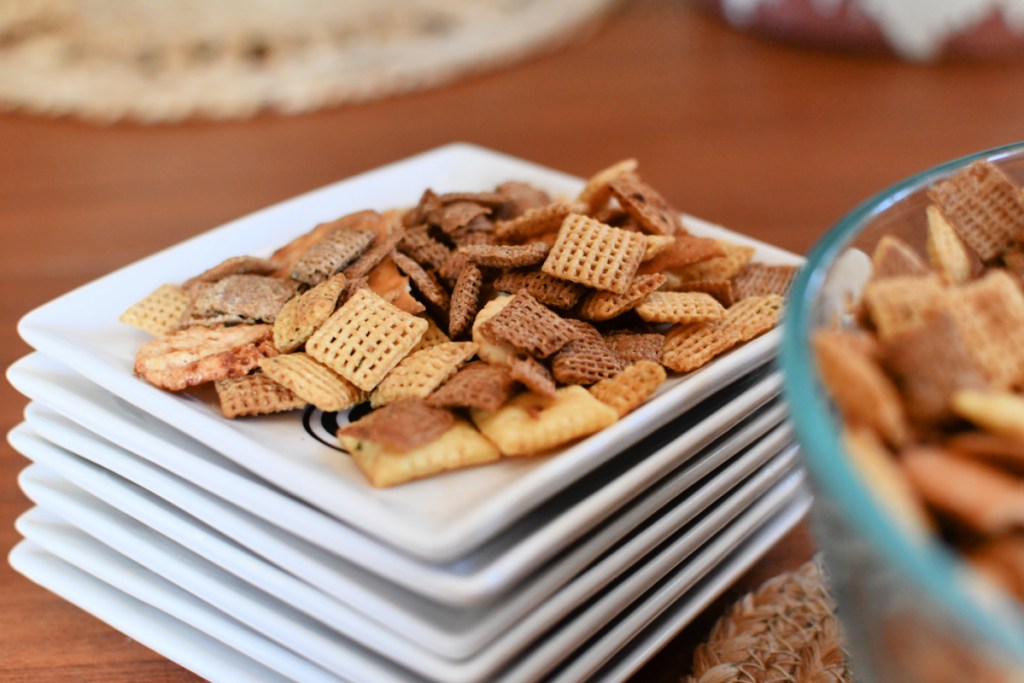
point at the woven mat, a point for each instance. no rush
(167, 60)
(786, 630)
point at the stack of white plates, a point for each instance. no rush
(254, 550)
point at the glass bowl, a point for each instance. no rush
(911, 610)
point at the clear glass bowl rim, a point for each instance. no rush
(928, 565)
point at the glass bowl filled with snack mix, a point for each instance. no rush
(903, 357)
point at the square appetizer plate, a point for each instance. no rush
(438, 518)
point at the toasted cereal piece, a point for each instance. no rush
(898, 303)
(597, 190)
(758, 279)
(400, 426)
(685, 250)
(548, 290)
(603, 305)
(420, 373)
(465, 301)
(585, 360)
(529, 326)
(858, 385)
(984, 206)
(456, 215)
(520, 198)
(533, 375)
(159, 312)
(530, 424)
(418, 244)
(239, 299)
(497, 353)
(724, 291)
(595, 254)
(990, 314)
(645, 204)
(388, 282)
(370, 221)
(631, 346)
(737, 256)
(680, 307)
(365, 338)
(235, 265)
(313, 381)
(655, 244)
(689, 347)
(451, 269)
(331, 254)
(947, 254)
(630, 388)
(893, 257)
(425, 282)
(477, 385)
(460, 447)
(196, 355)
(997, 412)
(303, 314)
(255, 394)
(982, 497)
(506, 255)
(753, 316)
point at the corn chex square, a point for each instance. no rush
(312, 381)
(158, 312)
(365, 338)
(254, 394)
(594, 254)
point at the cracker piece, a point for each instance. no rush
(374, 255)
(426, 283)
(239, 299)
(497, 353)
(645, 204)
(255, 394)
(724, 291)
(313, 381)
(420, 373)
(451, 217)
(159, 312)
(529, 326)
(685, 250)
(548, 290)
(418, 244)
(947, 254)
(984, 206)
(331, 254)
(477, 385)
(898, 303)
(530, 424)
(737, 256)
(465, 301)
(196, 355)
(400, 426)
(585, 360)
(758, 279)
(603, 305)
(997, 412)
(990, 314)
(597, 190)
(235, 265)
(858, 385)
(630, 388)
(365, 339)
(753, 316)
(680, 307)
(689, 347)
(460, 447)
(893, 257)
(532, 374)
(388, 282)
(519, 197)
(303, 314)
(631, 347)
(506, 255)
(982, 497)
(595, 254)
(536, 221)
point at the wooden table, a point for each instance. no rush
(771, 140)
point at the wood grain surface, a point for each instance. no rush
(768, 139)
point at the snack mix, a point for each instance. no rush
(478, 325)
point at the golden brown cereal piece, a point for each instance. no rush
(737, 256)
(685, 250)
(982, 497)
(724, 291)
(655, 244)
(627, 390)
(477, 385)
(255, 394)
(312, 381)
(159, 312)
(898, 303)
(532, 374)
(529, 326)
(984, 207)
(418, 244)
(196, 355)
(420, 373)
(753, 316)
(285, 257)
(861, 390)
(303, 314)
(535, 222)
(635, 346)
(331, 254)
(874, 462)
(990, 314)
(425, 282)
(235, 265)
(595, 254)
(465, 301)
(603, 305)
(239, 298)
(548, 290)
(645, 204)
(497, 353)
(947, 254)
(680, 307)
(400, 426)
(461, 446)
(365, 338)
(456, 215)
(506, 255)
(386, 281)
(585, 360)
(530, 424)
(689, 347)
(893, 257)
(758, 279)
(597, 190)
(998, 412)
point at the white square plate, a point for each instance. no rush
(439, 518)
